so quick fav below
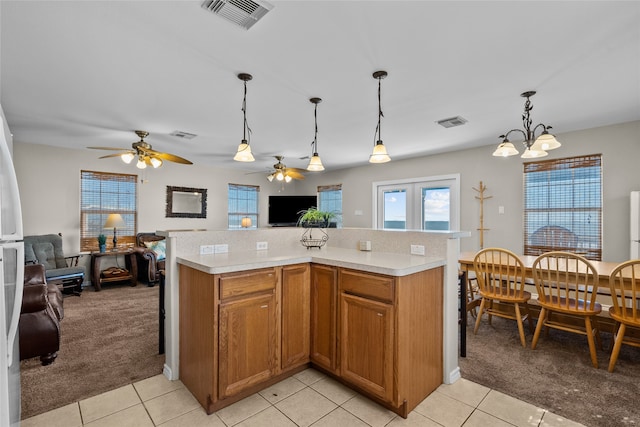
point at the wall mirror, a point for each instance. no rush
(185, 202)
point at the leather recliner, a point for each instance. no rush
(40, 316)
(150, 257)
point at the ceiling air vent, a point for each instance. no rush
(244, 13)
(184, 135)
(452, 122)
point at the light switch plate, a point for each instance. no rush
(207, 249)
(222, 249)
(417, 250)
(365, 245)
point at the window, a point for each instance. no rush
(243, 204)
(563, 206)
(101, 194)
(418, 204)
(330, 200)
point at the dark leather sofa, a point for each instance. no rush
(150, 263)
(40, 316)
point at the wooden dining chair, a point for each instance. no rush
(567, 284)
(500, 275)
(624, 282)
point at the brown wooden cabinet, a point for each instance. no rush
(248, 343)
(324, 301)
(366, 345)
(241, 332)
(295, 315)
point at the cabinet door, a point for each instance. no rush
(366, 345)
(295, 315)
(248, 342)
(324, 296)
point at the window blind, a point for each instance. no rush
(563, 206)
(242, 202)
(103, 193)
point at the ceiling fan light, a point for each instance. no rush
(127, 157)
(287, 178)
(270, 177)
(141, 163)
(156, 162)
(244, 152)
(379, 154)
(279, 176)
(315, 164)
(505, 149)
(547, 141)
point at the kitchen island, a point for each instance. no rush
(372, 320)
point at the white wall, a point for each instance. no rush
(49, 181)
(49, 184)
(618, 144)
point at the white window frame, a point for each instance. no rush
(451, 180)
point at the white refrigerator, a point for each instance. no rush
(11, 285)
(635, 225)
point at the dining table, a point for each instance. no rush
(465, 259)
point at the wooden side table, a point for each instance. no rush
(130, 262)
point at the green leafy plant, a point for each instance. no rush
(313, 217)
(102, 239)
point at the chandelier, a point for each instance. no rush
(533, 147)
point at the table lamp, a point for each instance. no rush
(114, 220)
(246, 222)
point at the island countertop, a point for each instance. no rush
(391, 264)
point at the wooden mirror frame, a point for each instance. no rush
(172, 208)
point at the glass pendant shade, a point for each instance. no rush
(244, 153)
(127, 157)
(505, 149)
(279, 176)
(155, 162)
(315, 164)
(547, 141)
(270, 178)
(533, 153)
(141, 163)
(379, 154)
(287, 178)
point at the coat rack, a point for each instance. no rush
(482, 198)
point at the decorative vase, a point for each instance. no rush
(103, 248)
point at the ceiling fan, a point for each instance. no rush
(146, 155)
(282, 173)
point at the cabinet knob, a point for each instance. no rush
(264, 306)
(380, 314)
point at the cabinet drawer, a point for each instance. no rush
(367, 285)
(247, 282)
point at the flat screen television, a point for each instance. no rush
(283, 210)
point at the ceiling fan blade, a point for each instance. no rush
(169, 157)
(114, 155)
(107, 148)
(293, 174)
(297, 170)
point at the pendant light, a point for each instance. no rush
(244, 150)
(379, 154)
(315, 164)
(533, 147)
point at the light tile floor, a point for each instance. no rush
(308, 398)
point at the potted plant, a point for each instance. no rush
(102, 242)
(314, 218)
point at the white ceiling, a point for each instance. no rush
(88, 73)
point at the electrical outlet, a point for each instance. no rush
(365, 245)
(417, 250)
(222, 249)
(207, 249)
(262, 246)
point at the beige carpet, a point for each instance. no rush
(109, 339)
(557, 375)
